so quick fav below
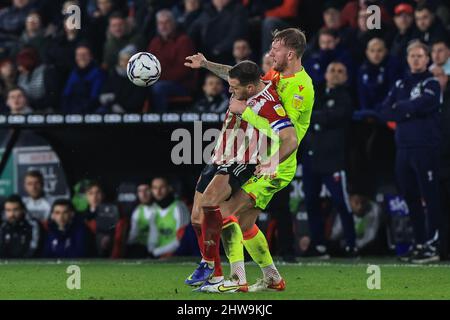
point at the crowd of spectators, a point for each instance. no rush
(38, 226)
(60, 68)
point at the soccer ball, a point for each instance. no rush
(143, 69)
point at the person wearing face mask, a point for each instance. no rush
(414, 103)
(170, 218)
(324, 159)
(119, 94)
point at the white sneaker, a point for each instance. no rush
(227, 286)
(263, 285)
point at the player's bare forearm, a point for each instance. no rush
(221, 70)
(289, 143)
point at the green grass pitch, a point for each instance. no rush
(336, 279)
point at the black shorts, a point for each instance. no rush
(239, 173)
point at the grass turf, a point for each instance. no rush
(337, 279)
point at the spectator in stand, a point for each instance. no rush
(8, 78)
(34, 35)
(12, 18)
(17, 101)
(170, 218)
(440, 55)
(38, 80)
(103, 222)
(331, 16)
(363, 34)
(278, 18)
(350, 12)
(267, 63)
(53, 13)
(171, 47)
(190, 12)
(141, 217)
(324, 161)
(119, 94)
(429, 27)
(84, 84)
(404, 22)
(329, 50)
(241, 51)
(98, 26)
(61, 52)
(376, 76)
(214, 99)
(37, 203)
(414, 103)
(94, 196)
(118, 37)
(19, 234)
(216, 29)
(66, 236)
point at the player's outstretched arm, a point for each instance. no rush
(257, 121)
(198, 61)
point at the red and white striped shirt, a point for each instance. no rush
(239, 141)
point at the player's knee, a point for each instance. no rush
(211, 198)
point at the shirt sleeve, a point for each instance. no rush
(270, 119)
(276, 116)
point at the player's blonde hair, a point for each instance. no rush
(292, 38)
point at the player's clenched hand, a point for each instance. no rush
(196, 61)
(237, 106)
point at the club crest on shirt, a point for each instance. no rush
(297, 102)
(280, 110)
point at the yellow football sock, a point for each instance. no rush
(232, 239)
(256, 244)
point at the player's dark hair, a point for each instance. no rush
(15, 198)
(247, 72)
(35, 174)
(63, 202)
(292, 38)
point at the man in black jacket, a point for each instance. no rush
(414, 103)
(429, 26)
(19, 234)
(220, 24)
(324, 159)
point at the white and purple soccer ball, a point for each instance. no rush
(143, 69)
